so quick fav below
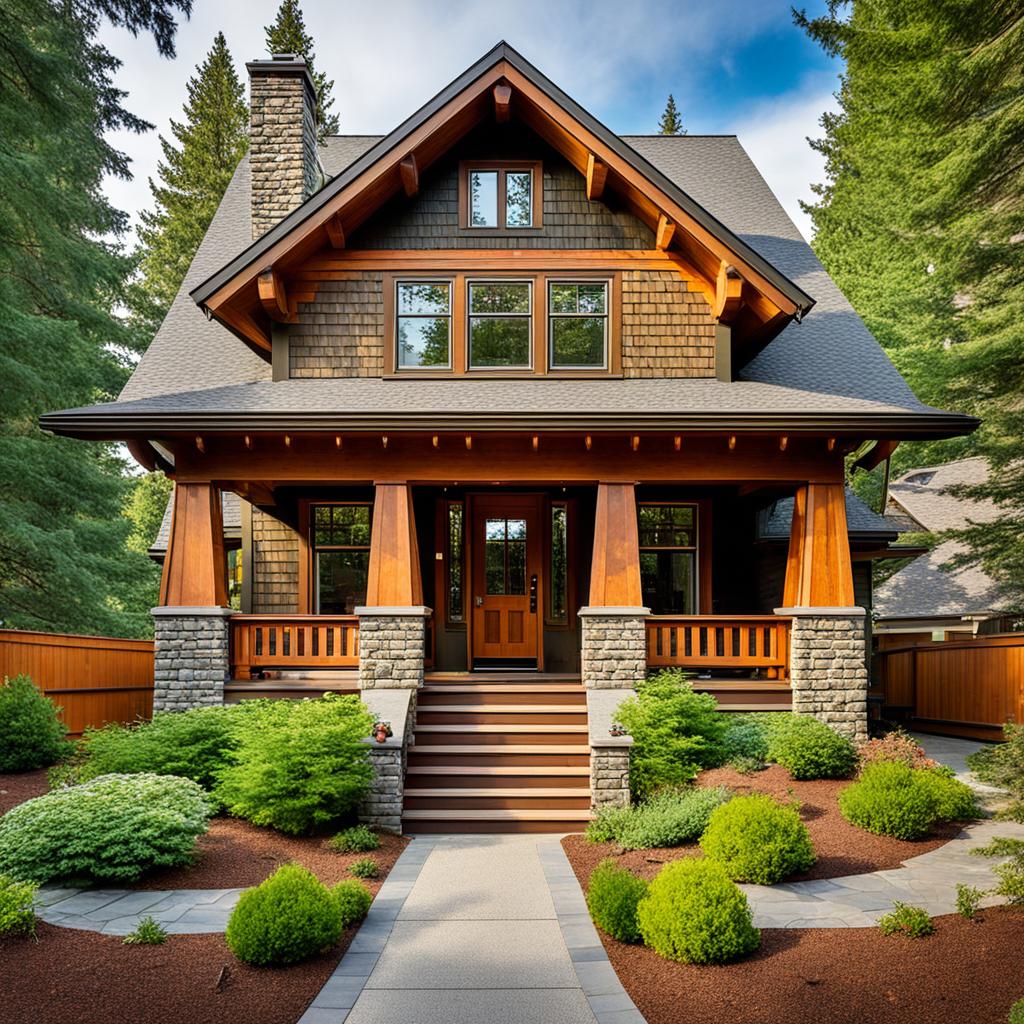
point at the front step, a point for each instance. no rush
(501, 714)
(568, 754)
(498, 777)
(557, 694)
(484, 798)
(457, 821)
(503, 735)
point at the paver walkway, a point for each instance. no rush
(953, 752)
(476, 928)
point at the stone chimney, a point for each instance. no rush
(282, 138)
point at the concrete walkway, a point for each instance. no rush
(474, 928)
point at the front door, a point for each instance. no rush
(506, 573)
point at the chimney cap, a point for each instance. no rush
(283, 64)
(288, 56)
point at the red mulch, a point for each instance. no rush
(16, 788)
(966, 973)
(842, 848)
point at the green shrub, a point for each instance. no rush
(17, 907)
(675, 731)
(954, 800)
(365, 867)
(809, 749)
(669, 818)
(353, 900)
(303, 770)
(613, 896)
(1017, 1012)
(757, 840)
(906, 920)
(287, 918)
(1011, 872)
(968, 899)
(695, 913)
(358, 839)
(745, 746)
(1002, 765)
(114, 827)
(147, 933)
(894, 746)
(31, 734)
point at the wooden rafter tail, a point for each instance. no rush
(502, 102)
(335, 232)
(663, 235)
(410, 175)
(728, 293)
(597, 174)
(274, 296)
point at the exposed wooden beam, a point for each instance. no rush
(274, 296)
(663, 235)
(335, 232)
(257, 492)
(393, 576)
(877, 454)
(502, 102)
(615, 568)
(195, 572)
(410, 175)
(597, 174)
(728, 294)
(818, 571)
(142, 453)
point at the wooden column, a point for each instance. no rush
(615, 570)
(394, 573)
(195, 572)
(818, 572)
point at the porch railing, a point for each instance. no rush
(709, 642)
(261, 642)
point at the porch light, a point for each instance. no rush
(635, 442)
(677, 442)
(588, 442)
(200, 444)
(338, 442)
(469, 442)
(732, 442)
(783, 443)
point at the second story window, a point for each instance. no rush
(424, 323)
(500, 324)
(578, 324)
(500, 197)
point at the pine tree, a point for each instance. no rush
(63, 561)
(288, 35)
(192, 178)
(671, 123)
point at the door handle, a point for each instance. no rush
(533, 594)
(479, 602)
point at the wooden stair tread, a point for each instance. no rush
(506, 728)
(522, 769)
(518, 814)
(429, 688)
(500, 748)
(539, 793)
(504, 709)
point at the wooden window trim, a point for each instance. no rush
(459, 355)
(535, 167)
(702, 540)
(530, 317)
(552, 279)
(571, 554)
(307, 550)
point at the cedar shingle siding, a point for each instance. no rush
(667, 331)
(275, 566)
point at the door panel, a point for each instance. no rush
(507, 559)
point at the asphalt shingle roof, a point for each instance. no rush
(231, 510)
(777, 519)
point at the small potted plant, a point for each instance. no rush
(616, 729)
(381, 731)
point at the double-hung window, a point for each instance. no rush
(424, 324)
(668, 558)
(340, 539)
(500, 324)
(578, 325)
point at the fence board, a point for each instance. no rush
(95, 679)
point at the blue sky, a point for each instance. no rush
(737, 66)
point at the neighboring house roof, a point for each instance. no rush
(231, 509)
(923, 589)
(775, 521)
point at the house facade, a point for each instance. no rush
(504, 398)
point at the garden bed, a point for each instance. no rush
(840, 976)
(842, 848)
(16, 788)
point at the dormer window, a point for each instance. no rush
(499, 197)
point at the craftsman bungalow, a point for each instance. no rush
(509, 402)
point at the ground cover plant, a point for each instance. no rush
(357, 839)
(31, 733)
(17, 907)
(1002, 765)
(148, 932)
(758, 840)
(1017, 1012)
(695, 913)
(890, 798)
(675, 731)
(112, 828)
(968, 899)
(303, 770)
(613, 896)
(668, 818)
(1011, 871)
(904, 919)
(365, 867)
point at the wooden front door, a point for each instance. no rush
(506, 561)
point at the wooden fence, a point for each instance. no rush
(95, 679)
(960, 688)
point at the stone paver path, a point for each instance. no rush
(953, 752)
(476, 928)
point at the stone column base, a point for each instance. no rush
(609, 755)
(191, 660)
(382, 805)
(614, 654)
(391, 647)
(828, 667)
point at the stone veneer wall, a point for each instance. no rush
(382, 806)
(614, 654)
(190, 657)
(391, 649)
(828, 670)
(609, 776)
(275, 566)
(282, 143)
(667, 330)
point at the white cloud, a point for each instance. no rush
(775, 135)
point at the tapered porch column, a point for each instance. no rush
(191, 622)
(828, 659)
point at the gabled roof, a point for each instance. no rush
(706, 243)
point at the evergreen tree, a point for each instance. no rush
(63, 561)
(921, 223)
(193, 175)
(288, 35)
(671, 123)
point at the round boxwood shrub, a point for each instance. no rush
(695, 912)
(31, 734)
(288, 917)
(613, 896)
(114, 827)
(809, 749)
(353, 899)
(757, 840)
(955, 800)
(892, 799)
